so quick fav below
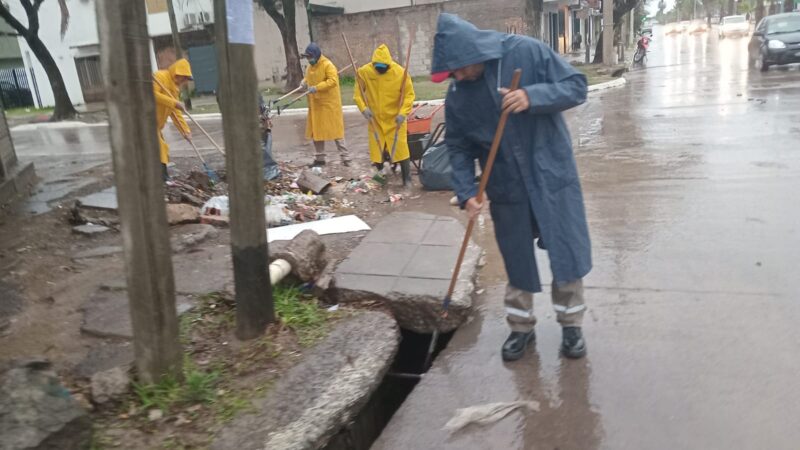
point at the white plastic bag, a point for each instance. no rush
(278, 215)
(216, 206)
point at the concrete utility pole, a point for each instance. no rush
(609, 57)
(587, 37)
(238, 89)
(176, 44)
(125, 59)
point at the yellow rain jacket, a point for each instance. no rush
(325, 121)
(165, 102)
(383, 93)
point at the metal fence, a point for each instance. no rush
(14, 89)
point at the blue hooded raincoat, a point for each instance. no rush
(534, 187)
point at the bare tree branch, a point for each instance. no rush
(270, 6)
(11, 20)
(64, 17)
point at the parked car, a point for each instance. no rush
(698, 26)
(732, 26)
(775, 41)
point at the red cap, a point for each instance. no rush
(438, 77)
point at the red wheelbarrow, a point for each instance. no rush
(420, 137)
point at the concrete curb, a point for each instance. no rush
(323, 393)
(619, 82)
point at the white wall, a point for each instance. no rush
(82, 32)
(158, 24)
(269, 55)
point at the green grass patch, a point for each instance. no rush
(300, 313)
(28, 111)
(197, 386)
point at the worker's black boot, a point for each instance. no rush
(515, 345)
(572, 343)
(405, 169)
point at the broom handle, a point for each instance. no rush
(304, 93)
(190, 117)
(402, 94)
(361, 88)
(301, 87)
(198, 153)
(498, 136)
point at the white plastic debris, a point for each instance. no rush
(486, 414)
(344, 224)
(278, 215)
(216, 206)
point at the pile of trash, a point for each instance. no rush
(195, 189)
(365, 185)
(290, 208)
(280, 210)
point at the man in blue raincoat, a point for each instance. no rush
(534, 190)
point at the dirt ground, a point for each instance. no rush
(44, 288)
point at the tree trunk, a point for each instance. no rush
(759, 11)
(176, 44)
(533, 17)
(788, 5)
(598, 51)
(63, 109)
(294, 73)
(287, 27)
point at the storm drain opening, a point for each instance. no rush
(406, 371)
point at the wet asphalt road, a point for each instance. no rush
(689, 174)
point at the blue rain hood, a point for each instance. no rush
(534, 175)
(459, 43)
(313, 51)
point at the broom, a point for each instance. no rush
(209, 171)
(378, 177)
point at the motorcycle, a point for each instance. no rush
(640, 57)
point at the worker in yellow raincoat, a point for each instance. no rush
(325, 121)
(382, 80)
(166, 90)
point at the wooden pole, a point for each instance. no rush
(125, 59)
(239, 105)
